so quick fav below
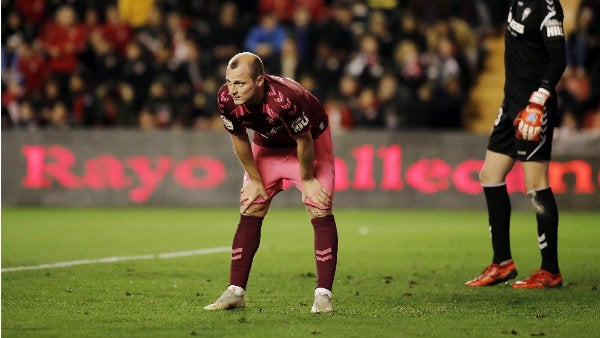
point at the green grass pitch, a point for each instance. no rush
(401, 273)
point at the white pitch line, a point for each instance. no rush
(120, 259)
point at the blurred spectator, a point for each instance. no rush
(379, 28)
(226, 37)
(25, 18)
(137, 71)
(348, 90)
(52, 95)
(188, 84)
(335, 32)
(309, 81)
(147, 120)
(582, 46)
(447, 105)
(579, 90)
(58, 117)
(203, 112)
(468, 52)
(32, 67)
(109, 108)
(340, 115)
(91, 20)
(290, 64)
(194, 65)
(393, 100)
(591, 118)
(153, 32)
(116, 31)
(12, 37)
(27, 117)
(581, 54)
(102, 60)
(63, 38)
(266, 38)
(407, 64)
(304, 30)
(334, 44)
(10, 100)
(80, 100)
(33, 11)
(127, 111)
(442, 65)
(366, 63)
(161, 105)
(421, 107)
(178, 28)
(366, 113)
(409, 30)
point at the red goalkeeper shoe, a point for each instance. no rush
(495, 274)
(540, 280)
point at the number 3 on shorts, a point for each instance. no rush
(498, 117)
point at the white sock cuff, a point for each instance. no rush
(238, 290)
(323, 291)
(493, 185)
(536, 190)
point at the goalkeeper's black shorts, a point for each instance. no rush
(503, 140)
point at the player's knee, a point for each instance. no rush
(486, 178)
(257, 210)
(536, 184)
(483, 177)
(316, 212)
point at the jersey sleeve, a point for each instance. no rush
(554, 40)
(226, 109)
(295, 117)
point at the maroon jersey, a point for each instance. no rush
(288, 111)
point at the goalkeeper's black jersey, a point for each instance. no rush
(534, 53)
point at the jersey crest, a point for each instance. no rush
(227, 123)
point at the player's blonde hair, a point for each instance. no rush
(253, 61)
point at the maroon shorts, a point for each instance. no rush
(279, 166)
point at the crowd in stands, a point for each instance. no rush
(579, 89)
(157, 64)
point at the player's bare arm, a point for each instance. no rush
(253, 189)
(311, 187)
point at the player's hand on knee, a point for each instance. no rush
(251, 192)
(313, 189)
(529, 120)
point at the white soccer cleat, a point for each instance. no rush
(232, 298)
(322, 302)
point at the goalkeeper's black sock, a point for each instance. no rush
(498, 205)
(546, 213)
(245, 245)
(326, 246)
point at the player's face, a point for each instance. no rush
(242, 87)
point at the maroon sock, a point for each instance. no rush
(245, 245)
(326, 247)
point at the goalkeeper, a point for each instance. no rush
(535, 59)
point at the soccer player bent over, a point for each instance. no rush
(291, 141)
(534, 62)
